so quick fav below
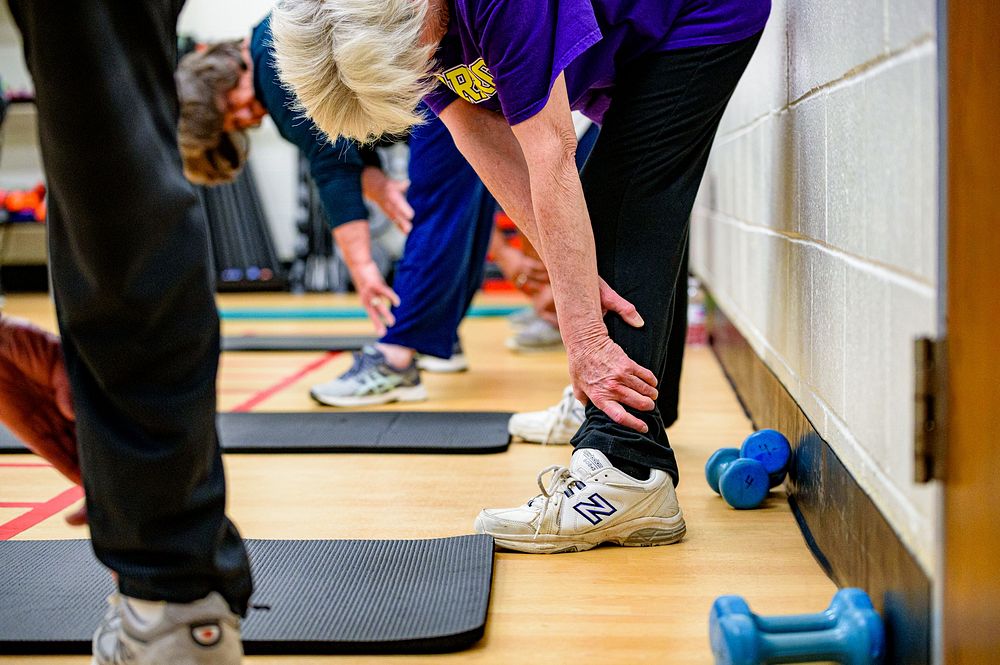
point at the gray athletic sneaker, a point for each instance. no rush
(204, 632)
(521, 318)
(538, 335)
(371, 380)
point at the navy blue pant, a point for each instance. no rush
(442, 264)
(128, 250)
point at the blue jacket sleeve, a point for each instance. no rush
(335, 166)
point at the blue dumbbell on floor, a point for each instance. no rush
(770, 448)
(743, 477)
(850, 632)
(743, 483)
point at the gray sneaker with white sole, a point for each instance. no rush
(205, 632)
(371, 380)
(538, 335)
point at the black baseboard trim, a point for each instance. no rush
(846, 532)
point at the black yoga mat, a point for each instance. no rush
(352, 432)
(297, 343)
(372, 431)
(311, 596)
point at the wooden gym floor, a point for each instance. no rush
(613, 605)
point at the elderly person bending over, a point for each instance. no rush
(229, 87)
(504, 75)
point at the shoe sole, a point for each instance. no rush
(642, 532)
(441, 366)
(559, 436)
(520, 348)
(518, 325)
(411, 394)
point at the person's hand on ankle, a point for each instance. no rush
(602, 373)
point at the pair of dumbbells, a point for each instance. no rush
(850, 632)
(745, 475)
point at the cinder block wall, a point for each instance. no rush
(816, 229)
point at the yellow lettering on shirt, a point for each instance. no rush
(483, 77)
(474, 82)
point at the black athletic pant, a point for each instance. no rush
(640, 184)
(128, 248)
(669, 385)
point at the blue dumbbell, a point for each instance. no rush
(743, 483)
(770, 448)
(850, 632)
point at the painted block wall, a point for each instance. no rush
(816, 229)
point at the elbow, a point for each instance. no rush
(565, 145)
(558, 162)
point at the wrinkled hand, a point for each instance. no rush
(376, 296)
(604, 375)
(526, 273)
(35, 399)
(389, 195)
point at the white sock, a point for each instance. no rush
(147, 611)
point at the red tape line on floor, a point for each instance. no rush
(269, 392)
(43, 511)
(40, 513)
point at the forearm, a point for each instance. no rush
(355, 243)
(566, 239)
(486, 141)
(372, 179)
(566, 243)
(547, 189)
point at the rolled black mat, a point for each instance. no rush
(277, 343)
(311, 596)
(365, 432)
(352, 432)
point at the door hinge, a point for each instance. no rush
(930, 402)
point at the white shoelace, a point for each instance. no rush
(562, 477)
(562, 411)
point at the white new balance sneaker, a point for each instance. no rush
(587, 504)
(204, 632)
(555, 425)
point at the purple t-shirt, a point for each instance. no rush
(505, 55)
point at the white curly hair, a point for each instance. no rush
(357, 67)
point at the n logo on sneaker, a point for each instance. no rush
(207, 635)
(595, 508)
